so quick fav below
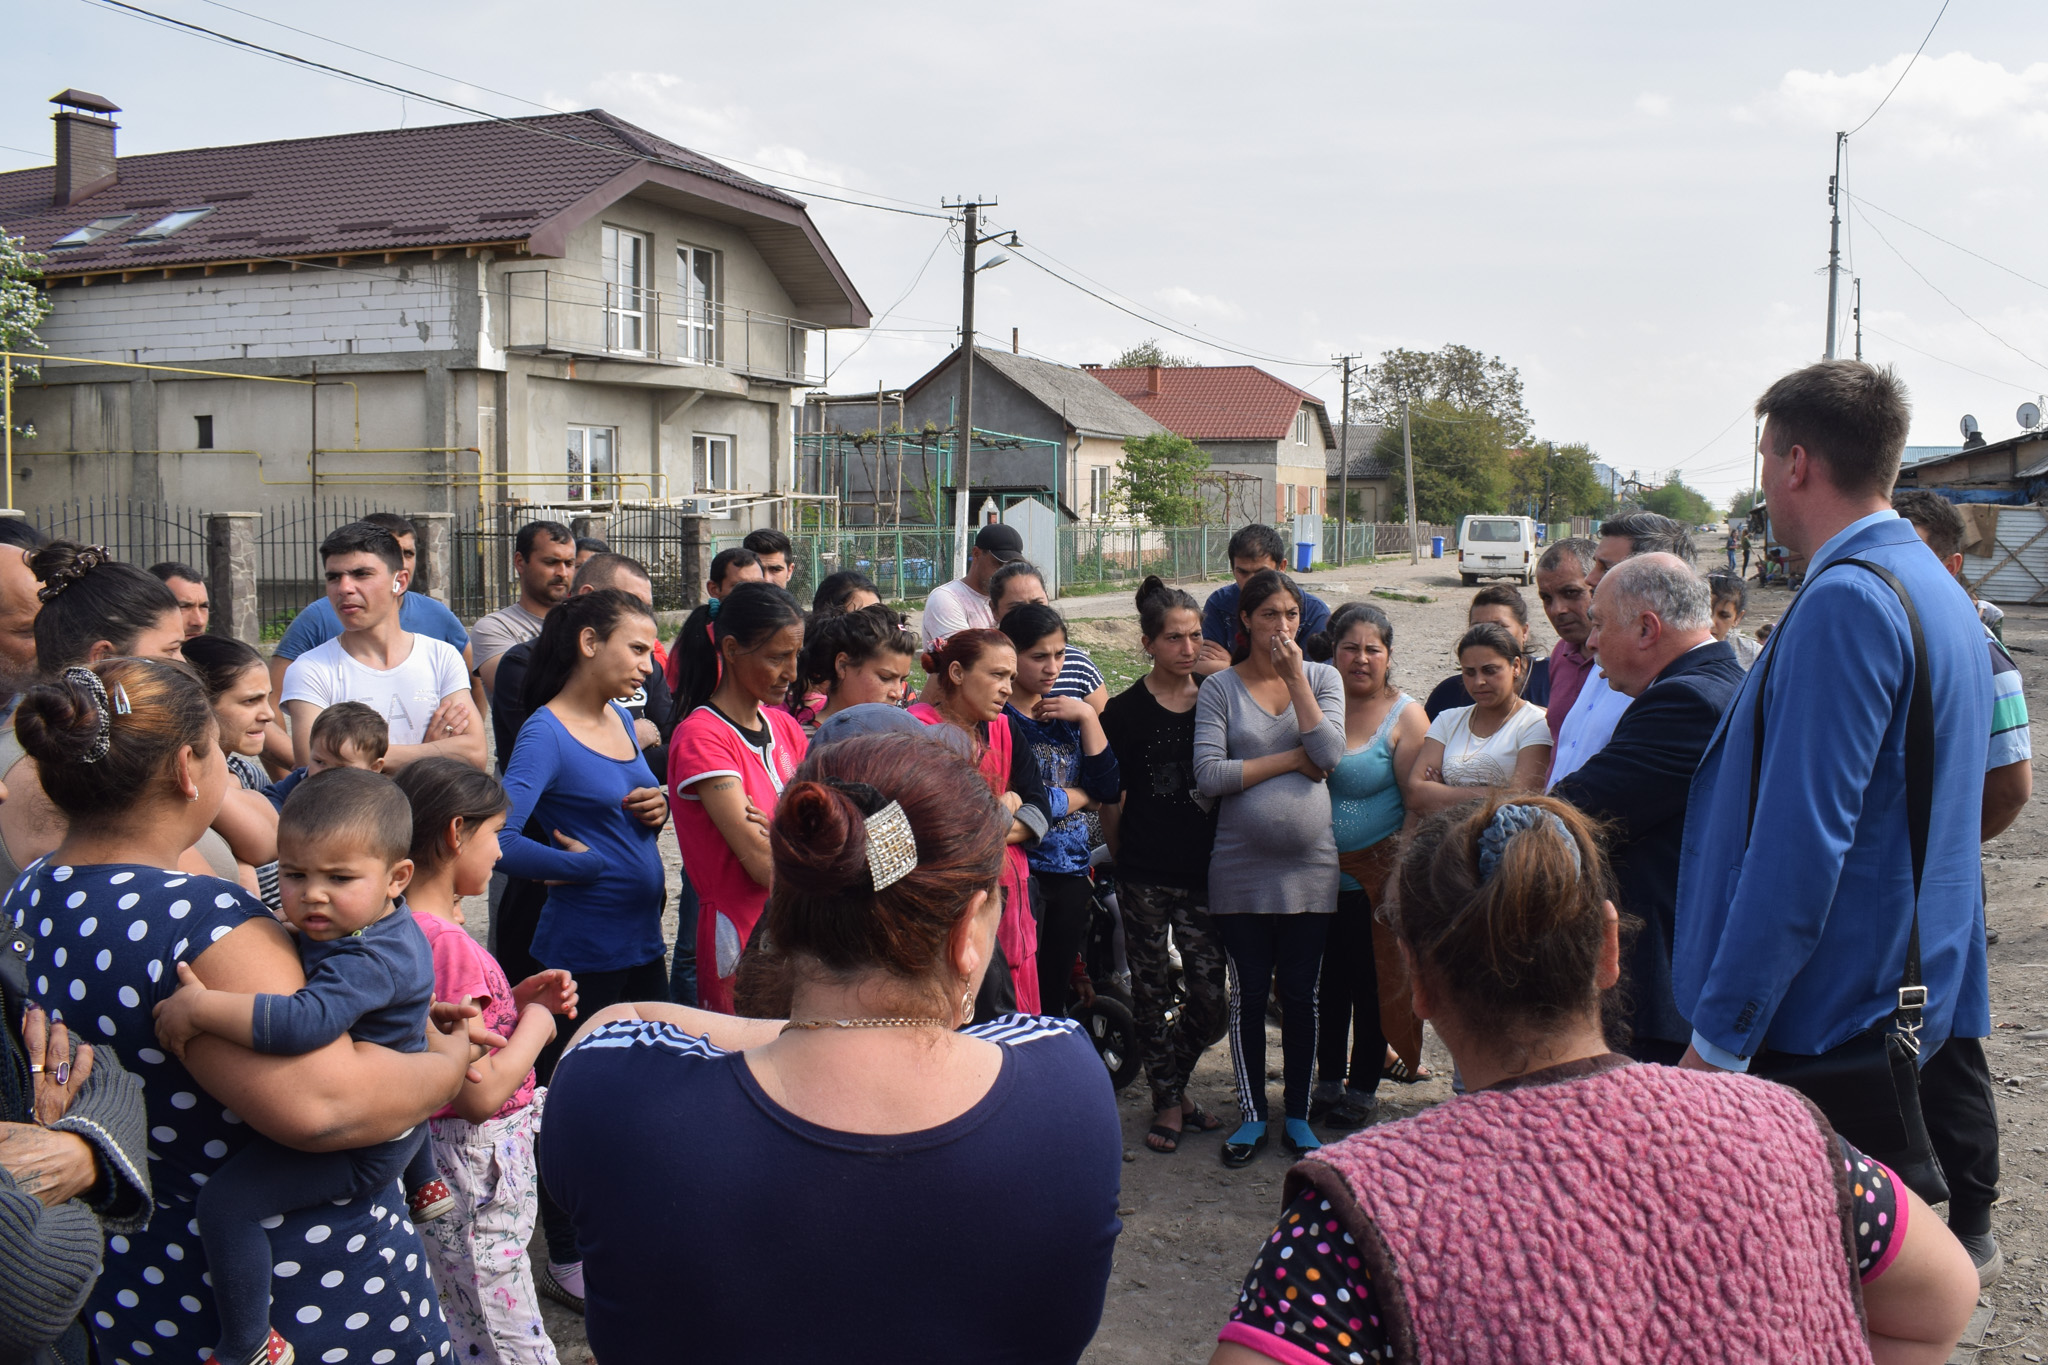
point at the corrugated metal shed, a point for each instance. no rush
(2017, 571)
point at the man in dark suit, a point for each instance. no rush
(1652, 626)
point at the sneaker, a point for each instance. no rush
(1323, 1098)
(552, 1288)
(1985, 1255)
(430, 1201)
(1356, 1110)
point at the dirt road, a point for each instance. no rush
(1191, 1226)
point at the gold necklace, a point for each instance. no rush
(810, 1024)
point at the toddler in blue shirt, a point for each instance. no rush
(342, 838)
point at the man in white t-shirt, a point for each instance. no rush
(405, 678)
(544, 558)
(963, 603)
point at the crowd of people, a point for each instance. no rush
(267, 1097)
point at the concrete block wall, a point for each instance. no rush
(367, 310)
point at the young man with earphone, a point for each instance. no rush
(417, 683)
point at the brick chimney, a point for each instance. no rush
(85, 145)
(1151, 381)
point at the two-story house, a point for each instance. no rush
(562, 310)
(1253, 426)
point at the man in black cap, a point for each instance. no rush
(963, 603)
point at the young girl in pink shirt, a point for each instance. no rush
(483, 1142)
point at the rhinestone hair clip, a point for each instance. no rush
(103, 712)
(892, 846)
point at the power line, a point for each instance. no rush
(1902, 75)
(1018, 251)
(522, 99)
(372, 82)
(1952, 303)
(1958, 246)
(1944, 360)
(876, 324)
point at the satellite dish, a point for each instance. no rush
(1970, 427)
(2029, 415)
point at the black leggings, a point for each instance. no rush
(1064, 904)
(594, 991)
(1261, 948)
(1348, 999)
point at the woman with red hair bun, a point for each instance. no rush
(903, 1185)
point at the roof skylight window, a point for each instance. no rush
(93, 231)
(170, 223)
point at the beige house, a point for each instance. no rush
(565, 311)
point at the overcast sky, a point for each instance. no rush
(1625, 202)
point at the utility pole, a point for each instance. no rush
(970, 238)
(1344, 465)
(1408, 465)
(1834, 239)
(1856, 312)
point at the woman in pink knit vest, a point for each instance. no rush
(1575, 1205)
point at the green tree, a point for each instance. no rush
(1156, 482)
(23, 306)
(1457, 375)
(1575, 491)
(1461, 461)
(1739, 505)
(1148, 352)
(1679, 502)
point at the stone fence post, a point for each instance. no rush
(434, 539)
(231, 574)
(591, 524)
(697, 551)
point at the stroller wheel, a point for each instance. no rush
(1114, 1032)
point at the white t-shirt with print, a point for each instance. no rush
(1470, 761)
(405, 695)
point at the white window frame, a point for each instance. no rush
(696, 311)
(1301, 427)
(712, 454)
(624, 255)
(1098, 490)
(592, 462)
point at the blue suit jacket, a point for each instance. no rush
(1799, 941)
(1638, 787)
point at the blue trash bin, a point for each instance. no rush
(1304, 555)
(1436, 547)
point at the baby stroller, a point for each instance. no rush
(1107, 1017)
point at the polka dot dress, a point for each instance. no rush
(350, 1279)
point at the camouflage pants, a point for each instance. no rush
(1172, 1049)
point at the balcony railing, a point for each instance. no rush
(543, 311)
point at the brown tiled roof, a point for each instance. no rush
(1215, 402)
(528, 181)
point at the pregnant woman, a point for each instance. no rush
(1268, 730)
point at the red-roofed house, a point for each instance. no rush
(560, 310)
(1249, 422)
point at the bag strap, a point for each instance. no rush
(1919, 783)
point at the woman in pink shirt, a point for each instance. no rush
(727, 765)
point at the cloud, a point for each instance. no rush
(1179, 299)
(1656, 106)
(1952, 106)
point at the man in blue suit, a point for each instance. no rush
(1653, 628)
(1792, 931)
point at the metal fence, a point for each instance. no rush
(141, 533)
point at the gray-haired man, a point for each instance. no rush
(1652, 625)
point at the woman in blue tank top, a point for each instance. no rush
(1383, 734)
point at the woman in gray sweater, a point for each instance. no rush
(1268, 730)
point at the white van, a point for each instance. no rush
(1497, 547)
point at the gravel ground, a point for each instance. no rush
(1191, 1226)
